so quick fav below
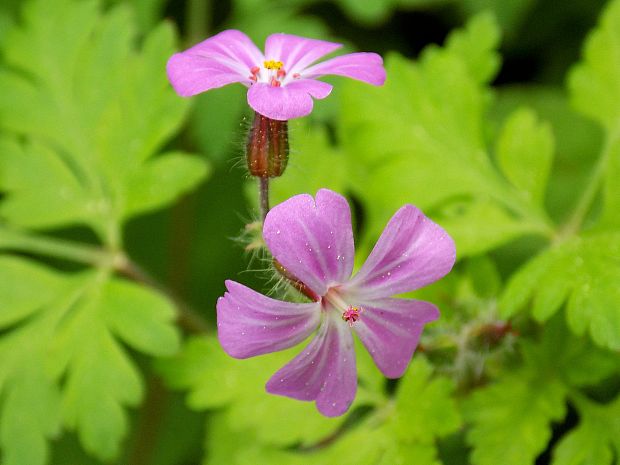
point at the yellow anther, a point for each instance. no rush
(271, 64)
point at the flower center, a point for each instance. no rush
(350, 313)
(274, 73)
(272, 64)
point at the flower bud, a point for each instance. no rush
(267, 147)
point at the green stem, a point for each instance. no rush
(574, 224)
(59, 248)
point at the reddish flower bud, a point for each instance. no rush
(267, 147)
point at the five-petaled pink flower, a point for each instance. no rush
(313, 240)
(281, 82)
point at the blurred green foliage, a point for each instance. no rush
(123, 207)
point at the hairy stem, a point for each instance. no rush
(263, 196)
(296, 283)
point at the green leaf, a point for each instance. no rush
(18, 281)
(43, 191)
(30, 410)
(611, 211)
(525, 152)
(98, 107)
(141, 317)
(476, 45)
(596, 440)
(424, 406)
(511, 419)
(160, 181)
(584, 272)
(575, 150)
(573, 360)
(101, 378)
(215, 380)
(594, 84)
(73, 332)
(404, 431)
(421, 139)
(495, 226)
(422, 411)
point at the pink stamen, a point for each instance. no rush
(281, 73)
(296, 75)
(352, 314)
(274, 82)
(254, 70)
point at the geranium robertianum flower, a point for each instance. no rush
(281, 82)
(313, 240)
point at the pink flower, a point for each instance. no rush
(281, 82)
(313, 240)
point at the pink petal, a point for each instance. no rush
(367, 67)
(312, 239)
(390, 330)
(325, 370)
(411, 253)
(290, 101)
(249, 324)
(220, 60)
(296, 52)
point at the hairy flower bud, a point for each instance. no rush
(267, 147)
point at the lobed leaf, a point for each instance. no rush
(595, 441)
(511, 419)
(216, 380)
(94, 110)
(525, 152)
(582, 272)
(421, 138)
(594, 86)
